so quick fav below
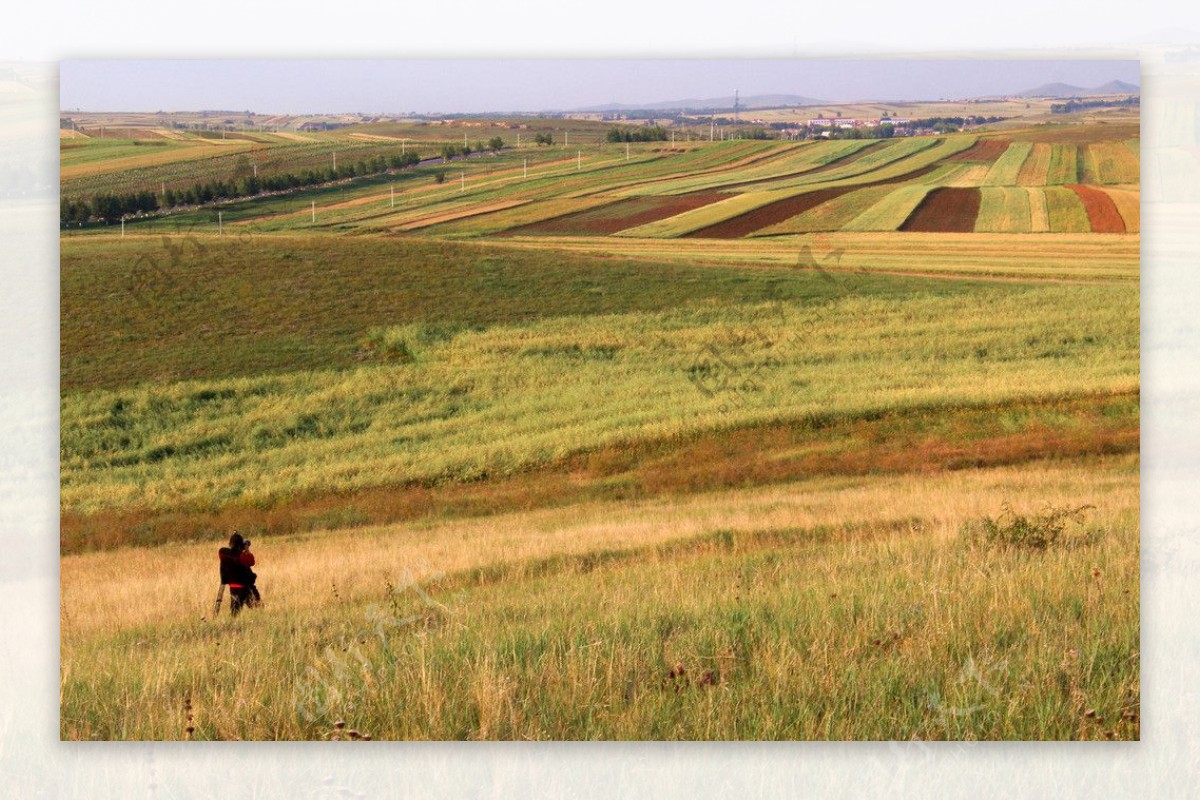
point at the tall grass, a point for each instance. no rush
(819, 611)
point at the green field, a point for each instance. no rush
(522, 459)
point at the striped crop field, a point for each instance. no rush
(969, 175)
(1114, 163)
(1103, 217)
(1003, 209)
(1066, 211)
(984, 151)
(709, 214)
(613, 216)
(796, 160)
(831, 215)
(889, 213)
(1039, 213)
(1037, 165)
(492, 222)
(1064, 165)
(100, 157)
(1007, 169)
(701, 190)
(1128, 203)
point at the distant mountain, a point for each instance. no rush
(708, 104)
(1117, 88)
(1068, 90)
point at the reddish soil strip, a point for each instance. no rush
(946, 210)
(617, 216)
(1101, 211)
(781, 210)
(985, 150)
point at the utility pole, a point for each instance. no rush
(627, 151)
(462, 182)
(566, 139)
(393, 188)
(712, 124)
(314, 211)
(526, 168)
(578, 160)
(220, 228)
(255, 166)
(122, 227)
(335, 161)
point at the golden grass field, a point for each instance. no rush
(684, 441)
(824, 609)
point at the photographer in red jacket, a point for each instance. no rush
(236, 561)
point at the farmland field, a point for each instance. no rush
(693, 439)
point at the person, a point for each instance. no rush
(247, 559)
(236, 573)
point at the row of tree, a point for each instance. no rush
(1078, 105)
(106, 206)
(648, 133)
(110, 207)
(450, 150)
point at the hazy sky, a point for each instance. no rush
(300, 87)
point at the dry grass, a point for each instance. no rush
(565, 623)
(1056, 257)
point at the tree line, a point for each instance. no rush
(649, 133)
(1076, 105)
(111, 206)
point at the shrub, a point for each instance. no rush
(1030, 532)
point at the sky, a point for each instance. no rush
(476, 86)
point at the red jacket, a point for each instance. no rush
(234, 571)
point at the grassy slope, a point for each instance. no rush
(296, 382)
(483, 403)
(141, 309)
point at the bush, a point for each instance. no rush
(387, 345)
(1030, 532)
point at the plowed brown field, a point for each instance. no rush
(949, 209)
(985, 150)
